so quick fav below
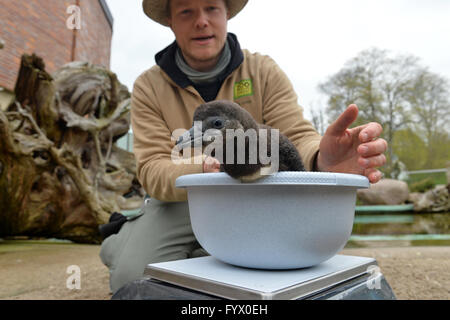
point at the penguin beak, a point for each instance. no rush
(190, 138)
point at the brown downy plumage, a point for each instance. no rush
(217, 117)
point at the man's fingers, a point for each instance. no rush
(372, 162)
(370, 131)
(373, 175)
(211, 164)
(344, 121)
(373, 148)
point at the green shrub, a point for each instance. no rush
(422, 185)
(437, 177)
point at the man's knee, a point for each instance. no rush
(128, 269)
(162, 233)
(122, 275)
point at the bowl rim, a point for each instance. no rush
(299, 178)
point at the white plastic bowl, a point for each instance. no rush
(288, 220)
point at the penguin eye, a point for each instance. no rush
(218, 123)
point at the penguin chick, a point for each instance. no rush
(217, 118)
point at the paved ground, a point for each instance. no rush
(39, 270)
(413, 272)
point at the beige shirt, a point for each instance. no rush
(160, 106)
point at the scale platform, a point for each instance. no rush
(341, 277)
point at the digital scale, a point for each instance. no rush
(339, 278)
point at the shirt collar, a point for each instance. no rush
(165, 59)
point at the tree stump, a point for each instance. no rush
(61, 174)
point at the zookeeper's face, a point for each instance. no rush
(200, 28)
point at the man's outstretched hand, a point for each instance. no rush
(358, 150)
(210, 165)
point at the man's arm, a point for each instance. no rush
(357, 150)
(282, 111)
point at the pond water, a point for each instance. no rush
(388, 229)
(403, 228)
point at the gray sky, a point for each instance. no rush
(310, 40)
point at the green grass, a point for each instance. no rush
(438, 177)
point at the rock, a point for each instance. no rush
(414, 197)
(448, 175)
(436, 200)
(385, 192)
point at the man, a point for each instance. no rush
(206, 63)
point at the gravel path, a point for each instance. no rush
(30, 270)
(413, 272)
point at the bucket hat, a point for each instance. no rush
(157, 9)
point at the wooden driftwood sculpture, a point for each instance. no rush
(61, 175)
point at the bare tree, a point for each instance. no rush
(391, 90)
(318, 117)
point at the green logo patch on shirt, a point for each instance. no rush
(243, 88)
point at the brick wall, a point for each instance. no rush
(94, 37)
(40, 26)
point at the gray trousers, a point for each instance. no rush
(162, 232)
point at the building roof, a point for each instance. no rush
(107, 12)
